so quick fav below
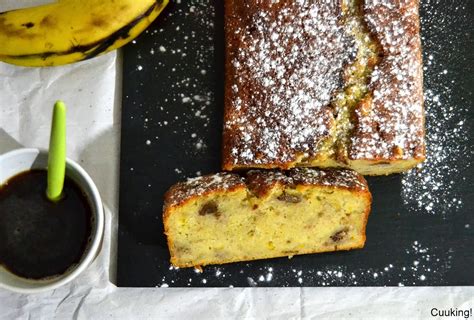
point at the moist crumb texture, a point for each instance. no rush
(327, 85)
(224, 218)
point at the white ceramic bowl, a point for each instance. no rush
(17, 161)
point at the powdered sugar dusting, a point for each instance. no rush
(285, 64)
(419, 265)
(285, 61)
(391, 124)
(186, 82)
(434, 186)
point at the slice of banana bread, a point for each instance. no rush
(323, 84)
(224, 218)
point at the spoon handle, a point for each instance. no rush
(57, 152)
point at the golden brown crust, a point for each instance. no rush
(258, 182)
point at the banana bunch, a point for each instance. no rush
(72, 30)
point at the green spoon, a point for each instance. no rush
(57, 153)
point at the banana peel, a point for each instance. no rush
(72, 30)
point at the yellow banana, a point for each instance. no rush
(72, 30)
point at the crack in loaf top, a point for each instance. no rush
(284, 62)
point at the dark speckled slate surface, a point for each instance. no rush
(421, 230)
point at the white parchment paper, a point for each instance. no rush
(91, 90)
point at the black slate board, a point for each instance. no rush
(421, 230)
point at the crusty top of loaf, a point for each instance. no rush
(284, 64)
(390, 125)
(260, 181)
(284, 61)
(195, 187)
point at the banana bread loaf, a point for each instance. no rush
(225, 218)
(323, 84)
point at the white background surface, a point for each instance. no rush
(91, 90)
